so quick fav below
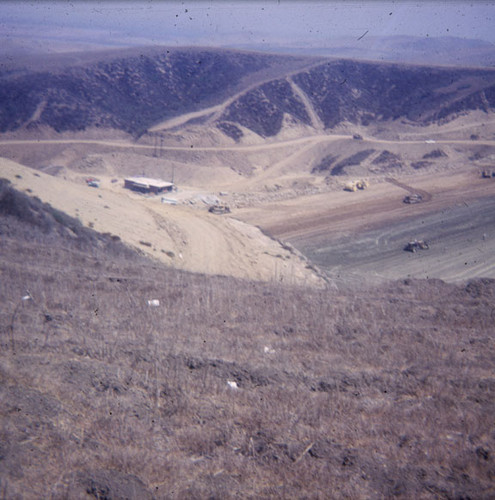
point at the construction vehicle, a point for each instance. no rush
(219, 209)
(355, 185)
(414, 245)
(413, 198)
(93, 182)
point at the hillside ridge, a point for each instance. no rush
(133, 93)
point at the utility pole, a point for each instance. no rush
(155, 145)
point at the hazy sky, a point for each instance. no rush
(295, 22)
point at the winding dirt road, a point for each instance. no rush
(320, 138)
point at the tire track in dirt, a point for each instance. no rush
(461, 237)
(424, 194)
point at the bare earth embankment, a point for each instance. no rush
(362, 235)
(348, 235)
(185, 238)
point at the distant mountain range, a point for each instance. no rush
(134, 89)
(447, 51)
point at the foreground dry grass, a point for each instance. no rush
(341, 393)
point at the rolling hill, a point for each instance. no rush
(130, 90)
(135, 90)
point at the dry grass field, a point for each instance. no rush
(232, 388)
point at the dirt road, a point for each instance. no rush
(313, 115)
(320, 138)
(132, 145)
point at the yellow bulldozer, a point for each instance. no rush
(355, 185)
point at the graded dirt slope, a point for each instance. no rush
(186, 238)
(291, 187)
(362, 235)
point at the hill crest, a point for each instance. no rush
(135, 90)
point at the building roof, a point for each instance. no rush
(147, 182)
